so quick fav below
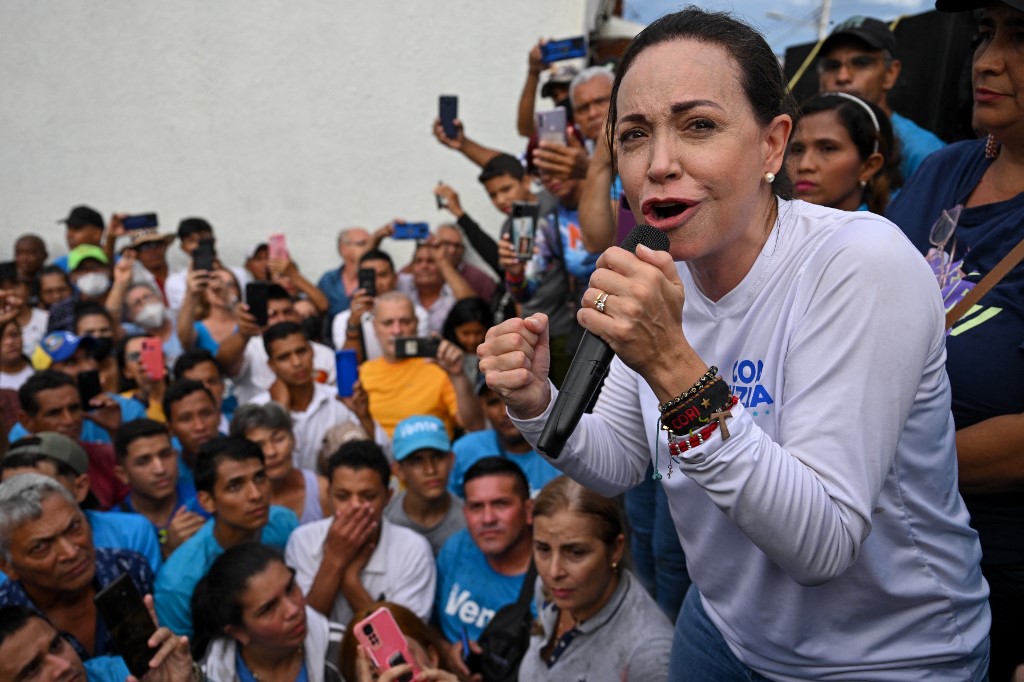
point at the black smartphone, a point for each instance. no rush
(524, 228)
(416, 346)
(141, 221)
(448, 111)
(566, 48)
(368, 281)
(204, 255)
(417, 231)
(128, 621)
(441, 202)
(8, 272)
(88, 387)
(256, 296)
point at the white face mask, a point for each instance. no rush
(151, 315)
(93, 284)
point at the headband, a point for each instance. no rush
(862, 103)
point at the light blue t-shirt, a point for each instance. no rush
(189, 563)
(91, 431)
(106, 669)
(476, 445)
(916, 143)
(121, 530)
(469, 591)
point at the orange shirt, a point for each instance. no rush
(405, 388)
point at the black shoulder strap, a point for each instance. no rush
(526, 591)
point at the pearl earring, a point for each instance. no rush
(769, 177)
(863, 184)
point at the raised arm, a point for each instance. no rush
(524, 115)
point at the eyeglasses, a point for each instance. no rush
(133, 356)
(939, 236)
(861, 62)
(449, 245)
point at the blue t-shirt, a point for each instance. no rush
(916, 143)
(337, 298)
(476, 445)
(125, 531)
(204, 340)
(110, 564)
(91, 431)
(985, 348)
(469, 591)
(190, 562)
(185, 493)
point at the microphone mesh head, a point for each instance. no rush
(650, 237)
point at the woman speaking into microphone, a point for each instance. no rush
(782, 368)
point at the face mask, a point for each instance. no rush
(93, 284)
(151, 315)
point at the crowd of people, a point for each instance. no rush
(271, 459)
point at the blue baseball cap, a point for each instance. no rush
(58, 347)
(419, 433)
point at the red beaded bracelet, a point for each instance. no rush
(679, 445)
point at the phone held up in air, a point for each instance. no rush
(368, 281)
(151, 357)
(276, 246)
(566, 48)
(524, 228)
(384, 643)
(204, 255)
(128, 621)
(141, 221)
(256, 296)
(88, 387)
(417, 231)
(448, 111)
(416, 346)
(347, 369)
(551, 126)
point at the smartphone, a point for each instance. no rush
(8, 272)
(384, 643)
(417, 231)
(276, 247)
(416, 346)
(566, 48)
(140, 221)
(152, 358)
(469, 657)
(347, 371)
(88, 387)
(524, 228)
(256, 296)
(368, 280)
(441, 201)
(551, 125)
(204, 255)
(448, 111)
(128, 621)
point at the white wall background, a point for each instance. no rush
(261, 116)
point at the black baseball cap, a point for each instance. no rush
(967, 5)
(874, 32)
(81, 216)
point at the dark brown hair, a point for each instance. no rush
(565, 494)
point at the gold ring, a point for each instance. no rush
(599, 303)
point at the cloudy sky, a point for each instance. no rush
(801, 16)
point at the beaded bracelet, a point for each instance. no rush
(708, 376)
(697, 410)
(694, 399)
(676, 443)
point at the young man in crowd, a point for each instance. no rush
(62, 459)
(148, 465)
(356, 557)
(502, 440)
(84, 225)
(359, 335)
(190, 232)
(482, 568)
(423, 461)
(53, 566)
(339, 284)
(193, 419)
(859, 58)
(314, 407)
(401, 387)
(244, 356)
(49, 401)
(233, 487)
(199, 365)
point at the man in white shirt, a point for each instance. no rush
(244, 357)
(360, 336)
(347, 562)
(314, 408)
(190, 232)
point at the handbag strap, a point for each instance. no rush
(526, 591)
(995, 275)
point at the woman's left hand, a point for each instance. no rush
(642, 319)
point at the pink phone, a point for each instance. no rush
(276, 247)
(384, 643)
(151, 358)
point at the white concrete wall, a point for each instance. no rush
(261, 116)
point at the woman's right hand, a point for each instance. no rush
(515, 357)
(197, 282)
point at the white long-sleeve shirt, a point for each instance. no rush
(826, 535)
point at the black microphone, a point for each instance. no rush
(589, 365)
